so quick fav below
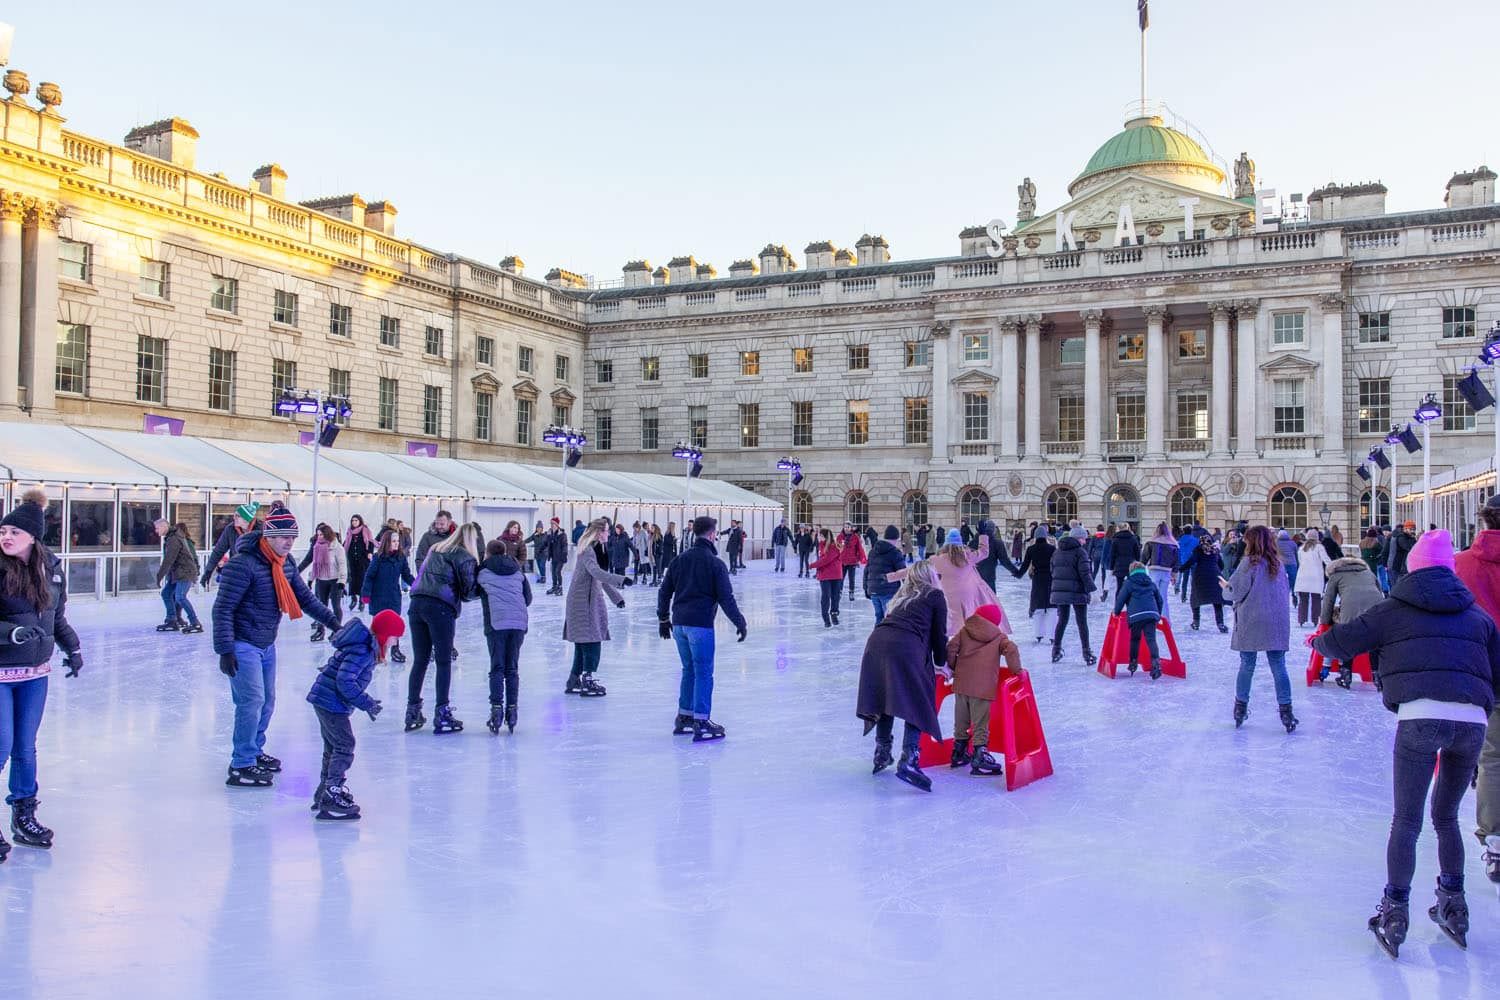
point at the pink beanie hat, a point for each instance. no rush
(1434, 548)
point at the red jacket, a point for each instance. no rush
(1479, 568)
(854, 549)
(828, 564)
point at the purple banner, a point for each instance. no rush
(422, 449)
(164, 426)
(305, 438)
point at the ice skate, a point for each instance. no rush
(194, 629)
(985, 764)
(1450, 912)
(27, 831)
(1389, 925)
(1089, 659)
(414, 717)
(909, 771)
(1155, 669)
(1287, 718)
(1056, 654)
(682, 725)
(590, 688)
(961, 755)
(253, 776)
(1241, 713)
(835, 617)
(706, 729)
(510, 717)
(337, 803)
(1193, 625)
(317, 634)
(1224, 629)
(168, 626)
(444, 722)
(267, 762)
(1492, 859)
(397, 656)
(574, 685)
(883, 757)
(497, 719)
(317, 802)
(4, 849)
(1133, 667)
(1346, 678)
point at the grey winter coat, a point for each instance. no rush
(1261, 601)
(586, 615)
(505, 593)
(1355, 588)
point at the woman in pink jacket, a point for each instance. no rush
(962, 587)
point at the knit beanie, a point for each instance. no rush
(955, 537)
(1079, 532)
(989, 612)
(246, 511)
(1434, 548)
(279, 522)
(892, 532)
(30, 515)
(1040, 534)
(387, 625)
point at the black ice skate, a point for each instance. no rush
(1346, 677)
(909, 770)
(497, 719)
(317, 802)
(1056, 654)
(414, 718)
(1389, 924)
(1089, 659)
(444, 722)
(4, 849)
(1241, 713)
(706, 729)
(169, 626)
(883, 757)
(683, 725)
(30, 833)
(253, 776)
(397, 656)
(961, 755)
(574, 685)
(337, 803)
(1451, 913)
(1287, 718)
(985, 764)
(317, 633)
(590, 688)
(1155, 669)
(510, 717)
(192, 629)
(266, 761)
(1492, 859)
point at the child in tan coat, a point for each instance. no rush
(974, 656)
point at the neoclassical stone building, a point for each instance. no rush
(1163, 344)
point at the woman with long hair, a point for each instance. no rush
(955, 566)
(330, 568)
(585, 615)
(653, 533)
(382, 586)
(1312, 577)
(829, 569)
(1258, 592)
(897, 673)
(359, 549)
(445, 580)
(33, 602)
(1037, 564)
(1160, 555)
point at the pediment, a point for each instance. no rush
(1151, 200)
(974, 378)
(562, 396)
(485, 382)
(1289, 364)
(526, 389)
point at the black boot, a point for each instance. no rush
(444, 722)
(1133, 668)
(574, 685)
(1056, 653)
(396, 655)
(1346, 677)
(883, 757)
(169, 626)
(28, 831)
(1194, 626)
(4, 849)
(317, 802)
(683, 725)
(414, 718)
(1389, 924)
(337, 803)
(1287, 718)
(1241, 713)
(1089, 659)
(985, 764)
(961, 754)
(510, 717)
(590, 688)
(706, 729)
(317, 633)
(497, 718)
(909, 770)
(1451, 913)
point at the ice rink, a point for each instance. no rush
(592, 854)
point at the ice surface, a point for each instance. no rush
(592, 854)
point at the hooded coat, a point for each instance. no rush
(896, 673)
(1038, 560)
(1126, 550)
(1163, 552)
(853, 549)
(340, 685)
(504, 593)
(1353, 586)
(974, 655)
(382, 584)
(1478, 567)
(1072, 574)
(1139, 598)
(1260, 599)
(1286, 549)
(884, 558)
(1206, 566)
(430, 538)
(179, 560)
(448, 576)
(963, 589)
(586, 615)
(619, 548)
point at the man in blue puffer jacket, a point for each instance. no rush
(247, 614)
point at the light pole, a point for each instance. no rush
(327, 410)
(1379, 459)
(1394, 438)
(793, 470)
(1325, 515)
(1427, 411)
(693, 457)
(571, 442)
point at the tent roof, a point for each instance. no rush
(584, 485)
(639, 485)
(187, 462)
(395, 475)
(477, 484)
(52, 453)
(295, 463)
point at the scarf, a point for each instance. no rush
(285, 599)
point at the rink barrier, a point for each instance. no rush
(1315, 664)
(1016, 732)
(1115, 652)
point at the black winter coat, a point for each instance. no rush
(884, 558)
(896, 674)
(695, 587)
(1072, 574)
(1207, 568)
(1038, 559)
(619, 549)
(805, 544)
(16, 613)
(1126, 550)
(382, 582)
(664, 550)
(1434, 642)
(245, 609)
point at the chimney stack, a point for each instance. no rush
(707, 272)
(743, 269)
(513, 265)
(774, 259)
(872, 250)
(349, 207)
(1471, 189)
(844, 258)
(559, 278)
(171, 139)
(271, 180)
(660, 276)
(680, 269)
(381, 217)
(637, 274)
(819, 255)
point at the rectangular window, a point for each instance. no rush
(859, 421)
(484, 351)
(651, 369)
(604, 372)
(390, 332)
(977, 347)
(1374, 405)
(1130, 416)
(1375, 328)
(749, 425)
(802, 360)
(916, 422)
(976, 416)
(1457, 414)
(283, 380)
(225, 295)
(432, 409)
(650, 429)
(75, 260)
(561, 367)
(150, 369)
(484, 415)
(221, 365)
(73, 358)
(918, 353)
(524, 408)
(432, 341)
(389, 400)
(1130, 347)
(1192, 344)
(1192, 415)
(802, 423)
(1069, 418)
(1458, 322)
(338, 385)
(156, 279)
(1287, 329)
(524, 359)
(604, 430)
(1070, 351)
(562, 415)
(698, 426)
(749, 362)
(1289, 403)
(697, 366)
(859, 357)
(284, 309)
(341, 320)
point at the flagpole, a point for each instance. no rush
(1143, 23)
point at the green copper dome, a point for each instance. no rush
(1147, 141)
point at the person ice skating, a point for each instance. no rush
(885, 558)
(586, 615)
(974, 656)
(1397, 549)
(663, 551)
(338, 692)
(781, 537)
(1286, 551)
(1312, 577)
(1072, 583)
(619, 550)
(557, 555)
(329, 568)
(1258, 592)
(734, 547)
(246, 516)
(1037, 564)
(695, 588)
(1334, 548)
(851, 555)
(1439, 666)
(445, 580)
(806, 544)
(515, 543)
(175, 576)
(1105, 566)
(505, 594)
(964, 592)
(897, 674)
(1142, 602)
(537, 541)
(359, 549)
(995, 555)
(1205, 568)
(640, 544)
(1161, 556)
(1351, 591)
(829, 569)
(1124, 550)
(1187, 544)
(33, 623)
(256, 588)
(443, 526)
(382, 587)
(1478, 567)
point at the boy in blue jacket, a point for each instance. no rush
(337, 691)
(1142, 604)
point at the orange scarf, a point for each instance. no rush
(285, 599)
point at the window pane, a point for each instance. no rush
(802, 424)
(283, 379)
(976, 346)
(1374, 405)
(226, 294)
(73, 358)
(91, 525)
(1070, 351)
(604, 371)
(859, 357)
(1192, 415)
(340, 320)
(698, 426)
(155, 279)
(561, 368)
(284, 309)
(859, 421)
(1192, 344)
(484, 412)
(523, 360)
(976, 416)
(1131, 347)
(1458, 322)
(221, 379)
(432, 409)
(918, 425)
(390, 331)
(432, 341)
(749, 425)
(604, 430)
(802, 360)
(389, 403)
(650, 369)
(74, 259)
(1375, 328)
(150, 369)
(918, 353)
(1457, 414)
(1290, 411)
(1130, 417)
(650, 429)
(1070, 418)
(524, 420)
(138, 525)
(1287, 328)
(749, 362)
(484, 350)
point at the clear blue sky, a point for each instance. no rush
(586, 134)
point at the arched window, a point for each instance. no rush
(858, 506)
(973, 505)
(1061, 505)
(1186, 505)
(1382, 508)
(802, 507)
(1288, 508)
(914, 509)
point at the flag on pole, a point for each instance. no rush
(1145, 18)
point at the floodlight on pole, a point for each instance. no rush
(1427, 411)
(793, 470)
(571, 441)
(327, 410)
(693, 458)
(1490, 355)
(1395, 441)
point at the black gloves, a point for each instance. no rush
(621, 604)
(74, 662)
(629, 582)
(741, 632)
(374, 708)
(227, 664)
(22, 634)
(664, 627)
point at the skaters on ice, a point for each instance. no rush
(555, 544)
(664, 550)
(382, 586)
(806, 543)
(884, 558)
(445, 580)
(974, 656)
(851, 557)
(1161, 558)
(1351, 591)
(829, 569)
(1203, 570)
(338, 691)
(1258, 592)
(1124, 550)
(1144, 606)
(359, 549)
(953, 568)
(586, 615)
(505, 595)
(1037, 564)
(1312, 576)
(781, 537)
(695, 588)
(330, 568)
(175, 576)
(619, 549)
(246, 516)
(443, 526)
(1072, 583)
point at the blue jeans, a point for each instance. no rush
(1276, 658)
(1291, 579)
(179, 596)
(780, 558)
(541, 569)
(21, 707)
(1385, 580)
(921, 552)
(880, 603)
(169, 600)
(695, 647)
(253, 687)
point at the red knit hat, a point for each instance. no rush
(989, 612)
(387, 625)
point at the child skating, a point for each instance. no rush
(506, 596)
(974, 656)
(1140, 598)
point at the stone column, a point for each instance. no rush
(1219, 415)
(12, 210)
(1156, 382)
(1034, 387)
(1010, 387)
(39, 307)
(1333, 371)
(940, 392)
(1093, 386)
(1248, 375)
